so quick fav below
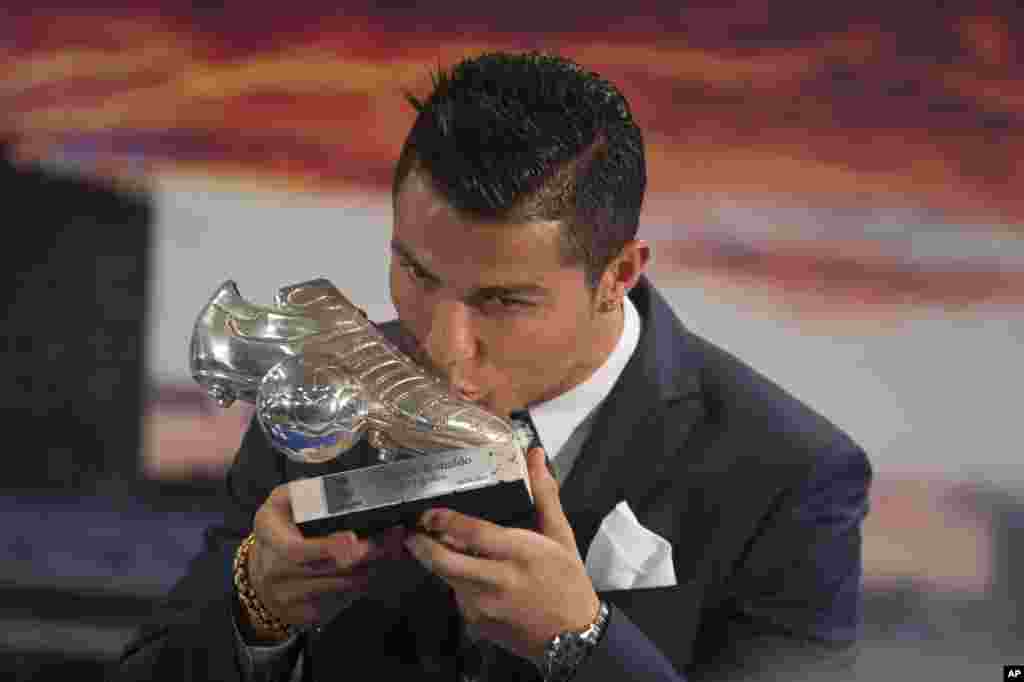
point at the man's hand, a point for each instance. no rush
(295, 577)
(518, 588)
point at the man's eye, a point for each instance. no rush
(414, 270)
(503, 302)
(506, 302)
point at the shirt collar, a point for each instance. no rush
(557, 419)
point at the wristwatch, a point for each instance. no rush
(566, 651)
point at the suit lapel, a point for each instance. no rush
(642, 424)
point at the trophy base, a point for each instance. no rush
(483, 482)
(507, 504)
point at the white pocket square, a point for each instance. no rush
(625, 555)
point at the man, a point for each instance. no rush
(516, 273)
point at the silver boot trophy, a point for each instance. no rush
(322, 377)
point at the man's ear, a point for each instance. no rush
(624, 272)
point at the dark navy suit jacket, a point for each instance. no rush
(761, 498)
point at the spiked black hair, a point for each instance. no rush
(521, 138)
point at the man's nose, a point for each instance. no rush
(451, 341)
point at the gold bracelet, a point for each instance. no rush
(260, 616)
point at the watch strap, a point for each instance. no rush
(567, 650)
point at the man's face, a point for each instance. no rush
(506, 348)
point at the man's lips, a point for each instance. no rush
(471, 397)
(466, 391)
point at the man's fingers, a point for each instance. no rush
(551, 520)
(345, 560)
(315, 588)
(467, 534)
(275, 528)
(318, 567)
(446, 563)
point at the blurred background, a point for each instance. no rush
(835, 195)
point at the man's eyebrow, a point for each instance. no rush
(511, 288)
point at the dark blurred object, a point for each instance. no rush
(81, 572)
(76, 266)
(90, 544)
(1004, 508)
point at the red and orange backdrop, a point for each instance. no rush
(834, 190)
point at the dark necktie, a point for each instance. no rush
(526, 432)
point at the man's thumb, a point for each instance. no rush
(551, 520)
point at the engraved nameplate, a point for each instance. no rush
(418, 478)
